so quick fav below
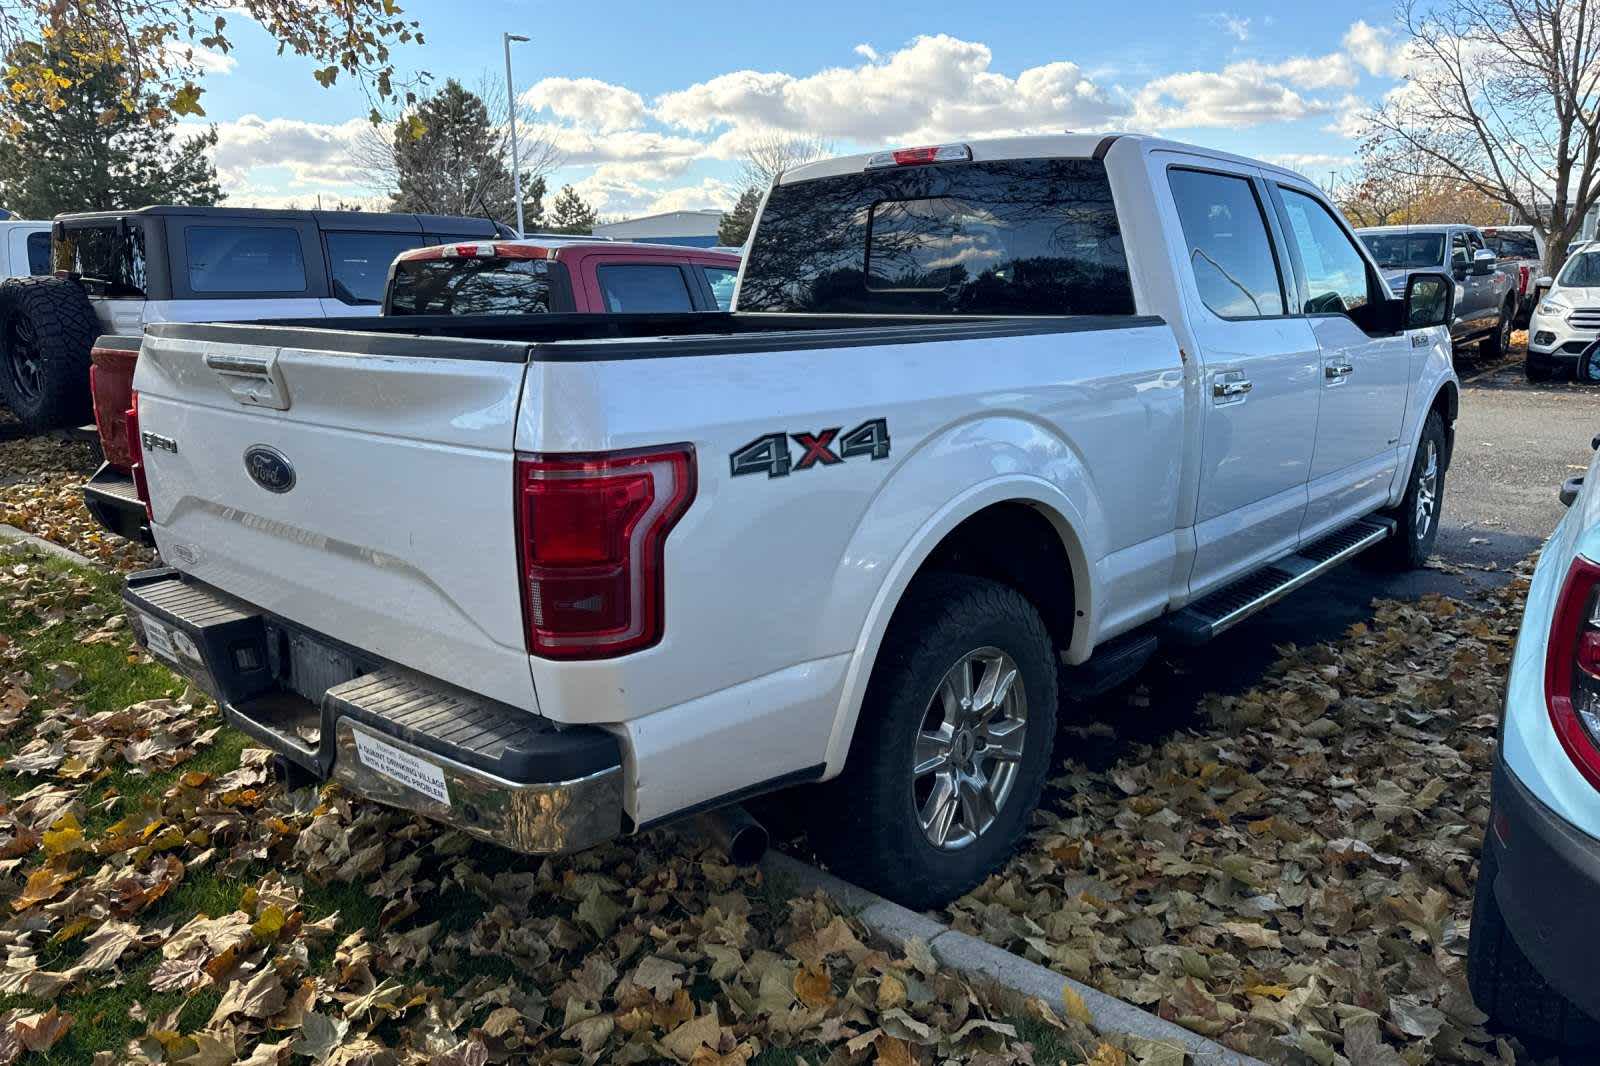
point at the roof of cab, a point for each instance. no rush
(392, 221)
(1037, 146)
(547, 247)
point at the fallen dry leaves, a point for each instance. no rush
(41, 492)
(1295, 877)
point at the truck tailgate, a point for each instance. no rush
(365, 497)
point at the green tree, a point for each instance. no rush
(734, 229)
(450, 157)
(93, 153)
(570, 214)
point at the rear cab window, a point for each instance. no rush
(477, 285)
(1512, 245)
(644, 287)
(245, 259)
(358, 263)
(1000, 237)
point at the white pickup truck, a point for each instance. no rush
(987, 422)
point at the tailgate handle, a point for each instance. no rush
(252, 380)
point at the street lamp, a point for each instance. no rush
(511, 101)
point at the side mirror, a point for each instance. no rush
(1427, 300)
(1482, 263)
(1543, 284)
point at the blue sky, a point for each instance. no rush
(649, 108)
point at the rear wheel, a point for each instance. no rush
(47, 327)
(1504, 983)
(952, 747)
(1417, 517)
(1498, 343)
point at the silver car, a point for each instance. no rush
(1486, 299)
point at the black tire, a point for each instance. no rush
(1498, 343)
(1538, 369)
(1415, 531)
(1504, 984)
(870, 831)
(47, 327)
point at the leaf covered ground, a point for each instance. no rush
(1293, 874)
(41, 492)
(164, 899)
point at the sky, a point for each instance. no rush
(650, 107)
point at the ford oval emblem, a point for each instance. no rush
(268, 468)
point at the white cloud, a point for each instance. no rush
(204, 60)
(1243, 94)
(934, 88)
(315, 154)
(588, 102)
(1314, 164)
(1371, 47)
(615, 196)
(1352, 116)
(1233, 25)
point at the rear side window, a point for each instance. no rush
(39, 253)
(245, 259)
(721, 280)
(472, 286)
(644, 287)
(1009, 237)
(1229, 250)
(109, 258)
(358, 263)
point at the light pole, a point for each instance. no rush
(511, 101)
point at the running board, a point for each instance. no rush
(1232, 604)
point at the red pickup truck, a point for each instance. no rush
(506, 277)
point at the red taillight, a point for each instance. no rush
(136, 457)
(110, 381)
(1572, 668)
(916, 157)
(1522, 281)
(591, 538)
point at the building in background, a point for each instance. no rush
(696, 229)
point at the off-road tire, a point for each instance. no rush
(868, 830)
(1411, 544)
(1504, 984)
(47, 327)
(1537, 369)
(1498, 343)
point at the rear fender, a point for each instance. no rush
(1000, 460)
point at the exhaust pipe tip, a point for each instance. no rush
(743, 838)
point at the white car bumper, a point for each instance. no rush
(1563, 335)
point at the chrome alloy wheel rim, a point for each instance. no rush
(1427, 489)
(969, 747)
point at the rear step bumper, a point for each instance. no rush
(115, 504)
(494, 771)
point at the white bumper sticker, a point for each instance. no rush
(415, 773)
(158, 638)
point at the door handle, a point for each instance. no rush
(1230, 388)
(1337, 371)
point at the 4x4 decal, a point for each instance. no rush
(769, 454)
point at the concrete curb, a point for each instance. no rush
(12, 535)
(1012, 973)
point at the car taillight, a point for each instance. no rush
(591, 539)
(136, 458)
(916, 157)
(1522, 280)
(1572, 668)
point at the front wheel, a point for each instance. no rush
(1498, 343)
(1417, 518)
(950, 753)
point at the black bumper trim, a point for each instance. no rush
(114, 503)
(231, 660)
(1547, 888)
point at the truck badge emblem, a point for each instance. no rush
(268, 468)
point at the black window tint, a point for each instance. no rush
(1229, 250)
(1513, 245)
(1015, 237)
(488, 286)
(245, 259)
(639, 287)
(1409, 250)
(358, 263)
(1458, 249)
(109, 258)
(721, 280)
(1336, 273)
(39, 252)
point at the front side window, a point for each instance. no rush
(489, 285)
(1007, 237)
(358, 263)
(245, 259)
(1460, 254)
(1336, 272)
(1405, 251)
(721, 280)
(108, 257)
(644, 287)
(39, 253)
(1230, 252)
(1582, 271)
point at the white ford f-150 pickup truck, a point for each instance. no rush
(986, 423)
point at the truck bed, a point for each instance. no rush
(581, 338)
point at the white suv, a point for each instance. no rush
(1566, 320)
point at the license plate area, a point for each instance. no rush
(307, 666)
